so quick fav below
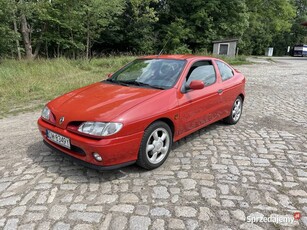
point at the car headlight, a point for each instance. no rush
(100, 128)
(46, 113)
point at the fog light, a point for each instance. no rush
(97, 156)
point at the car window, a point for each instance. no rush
(203, 71)
(225, 71)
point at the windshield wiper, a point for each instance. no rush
(117, 82)
(144, 84)
(138, 83)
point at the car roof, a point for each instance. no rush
(177, 56)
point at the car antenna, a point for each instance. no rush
(164, 47)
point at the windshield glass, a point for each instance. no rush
(155, 73)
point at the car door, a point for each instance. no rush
(198, 108)
(228, 89)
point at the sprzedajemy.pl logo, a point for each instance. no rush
(278, 219)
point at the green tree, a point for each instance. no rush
(78, 28)
(134, 30)
(64, 34)
(64, 26)
(176, 37)
(200, 22)
(9, 38)
(298, 33)
(266, 19)
(98, 14)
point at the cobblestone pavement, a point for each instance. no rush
(216, 178)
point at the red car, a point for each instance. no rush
(139, 111)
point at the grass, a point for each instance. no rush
(28, 85)
(270, 59)
(239, 60)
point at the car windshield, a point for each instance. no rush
(153, 73)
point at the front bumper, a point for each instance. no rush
(115, 152)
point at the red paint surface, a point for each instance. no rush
(136, 108)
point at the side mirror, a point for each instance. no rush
(109, 75)
(195, 85)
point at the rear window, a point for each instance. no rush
(225, 71)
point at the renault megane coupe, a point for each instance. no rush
(139, 111)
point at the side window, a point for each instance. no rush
(225, 71)
(203, 71)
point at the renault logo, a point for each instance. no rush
(61, 120)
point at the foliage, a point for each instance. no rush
(139, 19)
(7, 34)
(89, 28)
(194, 25)
(297, 34)
(266, 20)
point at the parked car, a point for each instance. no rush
(300, 50)
(138, 112)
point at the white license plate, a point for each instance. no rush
(59, 139)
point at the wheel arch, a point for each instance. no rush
(168, 121)
(242, 96)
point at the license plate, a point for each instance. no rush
(59, 139)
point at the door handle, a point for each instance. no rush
(220, 91)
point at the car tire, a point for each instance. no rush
(155, 146)
(236, 112)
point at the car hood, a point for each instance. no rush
(99, 102)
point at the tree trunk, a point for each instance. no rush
(37, 50)
(87, 46)
(46, 50)
(25, 32)
(39, 44)
(88, 41)
(72, 40)
(17, 41)
(58, 51)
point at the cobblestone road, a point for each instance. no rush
(217, 178)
